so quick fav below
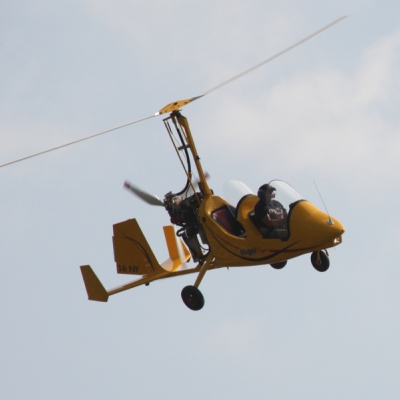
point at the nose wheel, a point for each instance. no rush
(192, 297)
(320, 261)
(279, 265)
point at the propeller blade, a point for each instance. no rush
(194, 187)
(147, 197)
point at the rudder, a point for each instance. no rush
(132, 252)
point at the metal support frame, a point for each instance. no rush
(206, 265)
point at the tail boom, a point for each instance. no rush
(133, 255)
(97, 292)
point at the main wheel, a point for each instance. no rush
(192, 297)
(322, 264)
(279, 265)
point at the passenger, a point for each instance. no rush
(270, 214)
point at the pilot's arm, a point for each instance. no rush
(273, 223)
(275, 219)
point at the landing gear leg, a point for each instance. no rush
(191, 295)
(320, 261)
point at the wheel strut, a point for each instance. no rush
(191, 295)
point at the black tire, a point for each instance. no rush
(323, 263)
(192, 298)
(279, 265)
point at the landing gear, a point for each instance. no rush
(279, 265)
(320, 261)
(192, 298)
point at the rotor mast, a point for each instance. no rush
(178, 119)
(183, 122)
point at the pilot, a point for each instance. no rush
(270, 214)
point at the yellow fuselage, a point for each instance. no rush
(309, 230)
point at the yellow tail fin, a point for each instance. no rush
(178, 252)
(132, 253)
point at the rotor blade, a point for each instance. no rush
(275, 56)
(147, 197)
(175, 106)
(79, 140)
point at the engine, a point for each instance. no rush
(184, 213)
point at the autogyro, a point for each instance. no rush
(211, 231)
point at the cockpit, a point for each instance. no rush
(276, 203)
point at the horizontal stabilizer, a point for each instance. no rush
(94, 287)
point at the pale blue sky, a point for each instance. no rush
(326, 111)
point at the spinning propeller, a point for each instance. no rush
(151, 198)
(175, 106)
(147, 197)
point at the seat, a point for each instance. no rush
(225, 217)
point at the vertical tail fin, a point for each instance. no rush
(132, 253)
(178, 252)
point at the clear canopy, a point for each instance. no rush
(284, 193)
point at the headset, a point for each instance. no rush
(264, 187)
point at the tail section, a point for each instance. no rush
(132, 253)
(94, 287)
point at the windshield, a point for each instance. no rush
(284, 193)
